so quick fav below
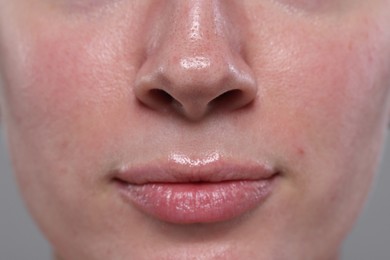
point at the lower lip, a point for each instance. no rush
(186, 203)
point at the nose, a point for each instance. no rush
(195, 63)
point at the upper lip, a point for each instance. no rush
(173, 171)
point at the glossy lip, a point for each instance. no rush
(186, 191)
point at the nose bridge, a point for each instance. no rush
(197, 44)
(203, 20)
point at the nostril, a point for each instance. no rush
(160, 96)
(228, 98)
(160, 99)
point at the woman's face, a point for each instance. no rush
(195, 129)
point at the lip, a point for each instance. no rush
(195, 191)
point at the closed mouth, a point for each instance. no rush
(207, 193)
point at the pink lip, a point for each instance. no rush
(182, 193)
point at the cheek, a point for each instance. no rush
(65, 97)
(324, 99)
(64, 82)
(57, 96)
(330, 85)
(346, 98)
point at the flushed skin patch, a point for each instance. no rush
(91, 86)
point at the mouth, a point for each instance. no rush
(183, 193)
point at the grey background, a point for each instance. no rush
(20, 239)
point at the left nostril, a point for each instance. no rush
(232, 98)
(228, 97)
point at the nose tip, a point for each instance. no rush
(195, 94)
(195, 76)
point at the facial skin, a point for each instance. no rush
(85, 91)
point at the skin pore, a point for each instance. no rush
(93, 86)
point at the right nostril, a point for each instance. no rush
(162, 97)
